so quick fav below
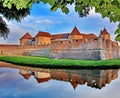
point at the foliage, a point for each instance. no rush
(4, 30)
(10, 14)
(14, 13)
(60, 63)
(108, 8)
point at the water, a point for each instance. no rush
(25, 82)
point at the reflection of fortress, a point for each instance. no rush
(93, 78)
(68, 45)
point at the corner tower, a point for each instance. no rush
(26, 39)
(104, 34)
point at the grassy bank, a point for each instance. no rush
(60, 63)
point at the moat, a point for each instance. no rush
(27, 82)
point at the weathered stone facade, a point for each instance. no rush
(74, 45)
(85, 46)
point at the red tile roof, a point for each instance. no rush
(41, 33)
(87, 36)
(26, 76)
(74, 84)
(60, 36)
(40, 80)
(104, 31)
(26, 36)
(75, 31)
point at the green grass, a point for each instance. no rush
(60, 63)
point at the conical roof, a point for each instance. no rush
(26, 76)
(104, 31)
(74, 84)
(75, 31)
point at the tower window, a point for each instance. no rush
(76, 40)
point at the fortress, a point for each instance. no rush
(73, 45)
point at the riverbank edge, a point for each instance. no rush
(17, 60)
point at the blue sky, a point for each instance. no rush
(42, 19)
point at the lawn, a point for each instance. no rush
(45, 62)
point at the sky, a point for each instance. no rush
(42, 19)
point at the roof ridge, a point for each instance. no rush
(75, 31)
(42, 33)
(26, 36)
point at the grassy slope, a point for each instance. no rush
(60, 63)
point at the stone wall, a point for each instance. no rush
(96, 49)
(22, 49)
(109, 49)
(76, 49)
(78, 54)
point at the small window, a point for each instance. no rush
(70, 42)
(76, 40)
(103, 39)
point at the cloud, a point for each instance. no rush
(92, 13)
(15, 34)
(42, 19)
(46, 21)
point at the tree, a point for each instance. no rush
(107, 8)
(10, 14)
(14, 13)
(4, 30)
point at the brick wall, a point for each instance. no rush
(21, 49)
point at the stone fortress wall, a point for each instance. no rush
(74, 45)
(33, 50)
(88, 47)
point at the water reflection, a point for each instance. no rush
(93, 78)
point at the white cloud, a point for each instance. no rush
(92, 13)
(44, 21)
(58, 22)
(16, 32)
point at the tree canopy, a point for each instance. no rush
(4, 30)
(107, 8)
(10, 14)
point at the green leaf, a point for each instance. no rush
(51, 2)
(9, 5)
(55, 6)
(117, 38)
(65, 10)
